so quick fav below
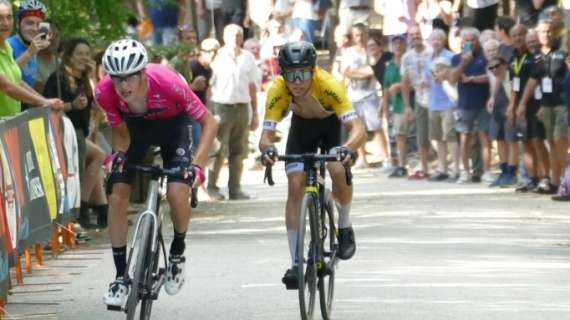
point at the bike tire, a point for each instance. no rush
(140, 252)
(306, 249)
(146, 301)
(329, 247)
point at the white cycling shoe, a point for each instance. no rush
(117, 294)
(175, 274)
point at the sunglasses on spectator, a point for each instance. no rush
(117, 80)
(495, 66)
(301, 75)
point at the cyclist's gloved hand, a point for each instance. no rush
(115, 162)
(347, 156)
(269, 156)
(199, 176)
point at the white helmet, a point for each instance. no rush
(35, 6)
(125, 56)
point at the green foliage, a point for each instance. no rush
(100, 21)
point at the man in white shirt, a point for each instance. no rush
(233, 90)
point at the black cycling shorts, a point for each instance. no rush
(172, 135)
(307, 135)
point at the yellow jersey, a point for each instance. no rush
(328, 95)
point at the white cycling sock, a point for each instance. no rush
(293, 236)
(343, 215)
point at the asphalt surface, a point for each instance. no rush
(425, 251)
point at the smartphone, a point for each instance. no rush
(44, 30)
(466, 47)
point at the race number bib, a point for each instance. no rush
(546, 85)
(516, 84)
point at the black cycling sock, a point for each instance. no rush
(178, 243)
(120, 258)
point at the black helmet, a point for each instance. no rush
(297, 54)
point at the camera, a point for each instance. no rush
(44, 30)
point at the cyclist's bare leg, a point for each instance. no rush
(296, 183)
(178, 194)
(342, 193)
(118, 222)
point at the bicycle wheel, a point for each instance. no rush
(306, 251)
(138, 266)
(329, 247)
(147, 300)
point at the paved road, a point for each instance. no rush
(425, 251)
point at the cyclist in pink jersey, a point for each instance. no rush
(149, 105)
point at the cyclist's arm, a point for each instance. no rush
(209, 131)
(120, 139)
(357, 133)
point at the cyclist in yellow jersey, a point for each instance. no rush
(319, 105)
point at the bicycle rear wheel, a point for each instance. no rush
(138, 266)
(329, 247)
(306, 252)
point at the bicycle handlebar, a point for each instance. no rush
(307, 159)
(156, 172)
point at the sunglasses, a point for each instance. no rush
(117, 80)
(301, 75)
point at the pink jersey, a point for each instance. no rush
(168, 96)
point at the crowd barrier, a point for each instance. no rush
(39, 189)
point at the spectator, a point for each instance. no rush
(275, 37)
(528, 11)
(523, 66)
(414, 64)
(187, 45)
(201, 69)
(252, 45)
(282, 11)
(553, 112)
(48, 58)
(470, 73)
(481, 14)
(487, 35)
(532, 43)
(392, 102)
(362, 89)
(428, 11)
(165, 17)
(12, 89)
(233, 89)
(441, 105)
(503, 27)
(396, 16)
(217, 14)
(305, 18)
(556, 16)
(351, 12)
(343, 41)
(378, 59)
(74, 83)
(29, 41)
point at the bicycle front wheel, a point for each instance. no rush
(138, 266)
(329, 247)
(306, 255)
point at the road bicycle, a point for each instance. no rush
(317, 242)
(146, 271)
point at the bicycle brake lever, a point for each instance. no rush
(268, 176)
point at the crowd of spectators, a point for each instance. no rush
(459, 84)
